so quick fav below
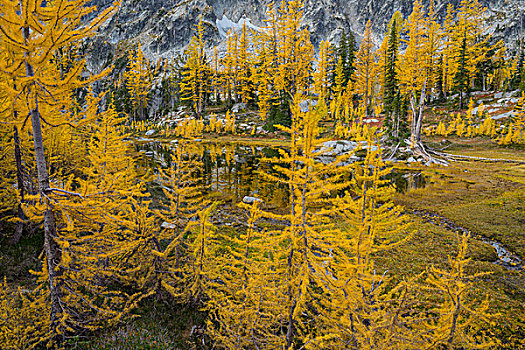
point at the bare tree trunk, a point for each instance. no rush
(20, 181)
(415, 143)
(290, 332)
(51, 248)
(417, 116)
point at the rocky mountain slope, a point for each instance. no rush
(164, 27)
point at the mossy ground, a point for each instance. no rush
(487, 198)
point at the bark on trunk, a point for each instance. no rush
(51, 248)
(19, 230)
(417, 116)
(415, 143)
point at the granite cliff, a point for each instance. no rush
(164, 27)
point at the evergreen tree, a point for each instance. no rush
(349, 66)
(395, 121)
(391, 82)
(346, 52)
(462, 78)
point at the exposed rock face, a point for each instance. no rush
(164, 27)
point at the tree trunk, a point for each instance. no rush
(417, 116)
(415, 143)
(51, 248)
(20, 181)
(290, 331)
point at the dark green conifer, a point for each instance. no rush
(395, 106)
(391, 82)
(346, 51)
(461, 79)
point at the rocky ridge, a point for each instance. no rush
(164, 27)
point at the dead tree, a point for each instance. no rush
(417, 147)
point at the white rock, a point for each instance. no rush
(251, 200)
(225, 24)
(501, 116)
(478, 93)
(150, 132)
(305, 105)
(498, 95)
(167, 225)
(238, 107)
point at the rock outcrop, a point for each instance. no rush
(164, 27)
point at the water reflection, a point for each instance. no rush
(405, 181)
(230, 170)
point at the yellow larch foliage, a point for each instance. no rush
(489, 126)
(243, 310)
(432, 46)
(515, 131)
(186, 231)
(213, 126)
(413, 62)
(230, 67)
(229, 125)
(460, 322)
(365, 67)
(469, 118)
(308, 238)
(138, 82)
(24, 317)
(98, 216)
(338, 83)
(263, 77)
(358, 310)
(448, 47)
(441, 129)
(245, 64)
(200, 268)
(33, 32)
(323, 71)
(503, 68)
(196, 75)
(217, 79)
(294, 51)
